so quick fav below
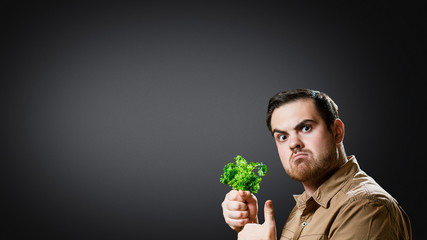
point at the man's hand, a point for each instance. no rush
(266, 231)
(239, 208)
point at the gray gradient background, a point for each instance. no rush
(118, 118)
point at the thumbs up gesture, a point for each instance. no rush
(265, 231)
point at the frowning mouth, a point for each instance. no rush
(298, 156)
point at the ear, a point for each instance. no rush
(338, 130)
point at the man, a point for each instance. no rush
(340, 201)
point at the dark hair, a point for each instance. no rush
(325, 106)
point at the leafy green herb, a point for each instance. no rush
(240, 176)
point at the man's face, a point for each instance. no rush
(306, 146)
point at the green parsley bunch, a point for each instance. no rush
(240, 176)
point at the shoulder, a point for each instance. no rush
(363, 192)
(372, 210)
(361, 186)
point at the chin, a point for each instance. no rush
(300, 175)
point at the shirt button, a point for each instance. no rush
(304, 223)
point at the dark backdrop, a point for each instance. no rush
(118, 118)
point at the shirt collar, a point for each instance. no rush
(331, 186)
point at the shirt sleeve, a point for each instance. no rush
(365, 219)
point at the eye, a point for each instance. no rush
(306, 128)
(282, 137)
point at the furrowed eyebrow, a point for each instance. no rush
(303, 123)
(298, 126)
(279, 131)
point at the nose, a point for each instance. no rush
(295, 142)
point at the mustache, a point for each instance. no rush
(298, 150)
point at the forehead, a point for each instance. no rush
(290, 114)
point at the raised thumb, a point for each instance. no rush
(269, 214)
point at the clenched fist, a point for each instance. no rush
(239, 208)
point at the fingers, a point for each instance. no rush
(252, 205)
(269, 214)
(236, 219)
(235, 195)
(237, 224)
(261, 231)
(238, 214)
(234, 205)
(247, 196)
(235, 209)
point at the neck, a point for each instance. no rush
(311, 186)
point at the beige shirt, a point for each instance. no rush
(349, 205)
